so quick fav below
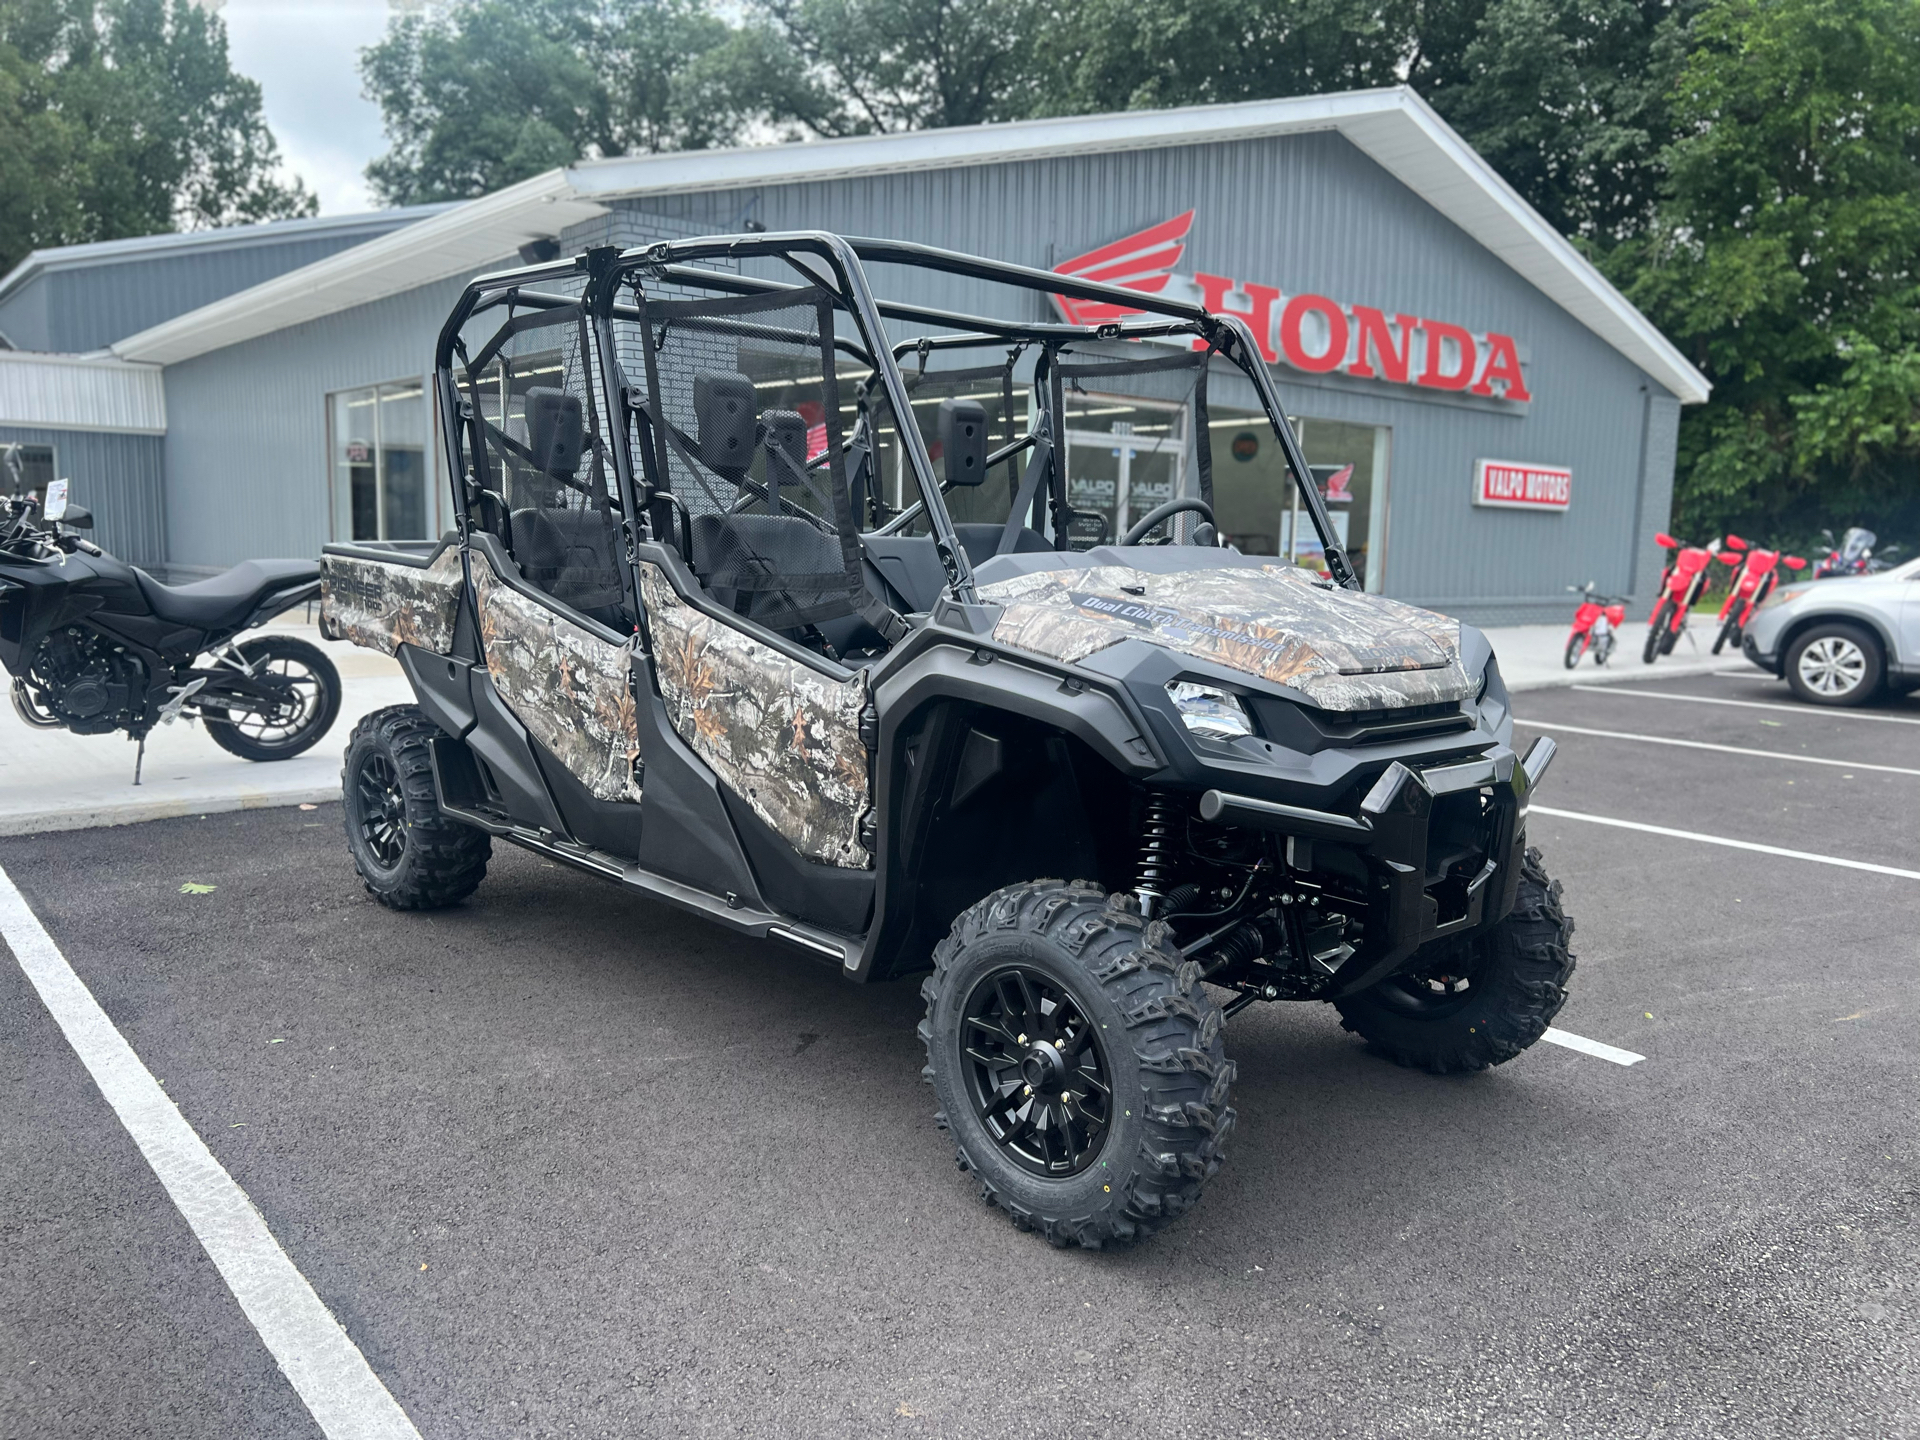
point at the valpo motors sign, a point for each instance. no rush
(1316, 334)
(1508, 485)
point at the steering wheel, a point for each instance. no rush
(1160, 513)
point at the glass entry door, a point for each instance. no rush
(381, 479)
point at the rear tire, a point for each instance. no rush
(1148, 1026)
(1576, 649)
(1479, 1000)
(409, 853)
(1656, 628)
(1835, 664)
(318, 702)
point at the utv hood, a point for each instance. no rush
(1340, 649)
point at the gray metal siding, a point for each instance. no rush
(23, 316)
(247, 426)
(119, 479)
(1310, 213)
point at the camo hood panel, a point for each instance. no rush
(385, 606)
(1341, 649)
(570, 688)
(779, 734)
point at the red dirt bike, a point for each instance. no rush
(1596, 623)
(1759, 573)
(1681, 585)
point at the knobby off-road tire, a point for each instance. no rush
(409, 853)
(1516, 981)
(314, 723)
(1157, 1035)
(1729, 633)
(1656, 631)
(1576, 648)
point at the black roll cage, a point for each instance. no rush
(834, 264)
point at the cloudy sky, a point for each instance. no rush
(303, 53)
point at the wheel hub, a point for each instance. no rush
(1044, 1068)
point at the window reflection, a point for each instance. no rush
(377, 440)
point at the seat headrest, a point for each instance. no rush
(786, 431)
(723, 409)
(555, 434)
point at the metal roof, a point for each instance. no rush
(1394, 126)
(72, 392)
(226, 237)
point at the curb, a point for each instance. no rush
(1607, 675)
(134, 812)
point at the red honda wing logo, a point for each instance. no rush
(1142, 262)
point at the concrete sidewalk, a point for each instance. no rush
(51, 780)
(1533, 657)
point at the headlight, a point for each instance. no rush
(1781, 597)
(1216, 714)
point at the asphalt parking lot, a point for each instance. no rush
(562, 1162)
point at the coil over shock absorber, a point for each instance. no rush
(1156, 853)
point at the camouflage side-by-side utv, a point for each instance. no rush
(847, 639)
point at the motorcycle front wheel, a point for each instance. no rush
(1576, 648)
(307, 706)
(1729, 634)
(1656, 629)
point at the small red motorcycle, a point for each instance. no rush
(1595, 625)
(1759, 573)
(1681, 585)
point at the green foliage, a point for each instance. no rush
(488, 92)
(123, 117)
(1785, 258)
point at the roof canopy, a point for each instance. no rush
(1394, 127)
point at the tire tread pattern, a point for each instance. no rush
(445, 859)
(1172, 1062)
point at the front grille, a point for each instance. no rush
(1305, 728)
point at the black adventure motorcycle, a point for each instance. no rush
(95, 645)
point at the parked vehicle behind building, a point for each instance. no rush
(717, 627)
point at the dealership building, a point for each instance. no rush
(1489, 418)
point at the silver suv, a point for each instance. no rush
(1839, 641)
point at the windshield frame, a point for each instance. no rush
(834, 264)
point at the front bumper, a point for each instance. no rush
(1407, 904)
(1767, 660)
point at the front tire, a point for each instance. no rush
(1729, 634)
(1835, 664)
(1077, 1062)
(294, 726)
(1479, 1000)
(1656, 628)
(1576, 648)
(410, 854)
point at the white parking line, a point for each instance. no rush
(345, 1397)
(1730, 844)
(1635, 692)
(1591, 1047)
(1709, 745)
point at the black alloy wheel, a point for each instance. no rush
(1036, 1072)
(1078, 1062)
(410, 853)
(382, 810)
(300, 703)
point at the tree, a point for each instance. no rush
(488, 92)
(124, 117)
(1785, 258)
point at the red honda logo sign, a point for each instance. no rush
(1507, 485)
(1310, 333)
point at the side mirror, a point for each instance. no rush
(963, 441)
(1666, 541)
(78, 517)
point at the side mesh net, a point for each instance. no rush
(745, 424)
(544, 459)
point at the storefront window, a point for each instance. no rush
(378, 443)
(1259, 510)
(25, 469)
